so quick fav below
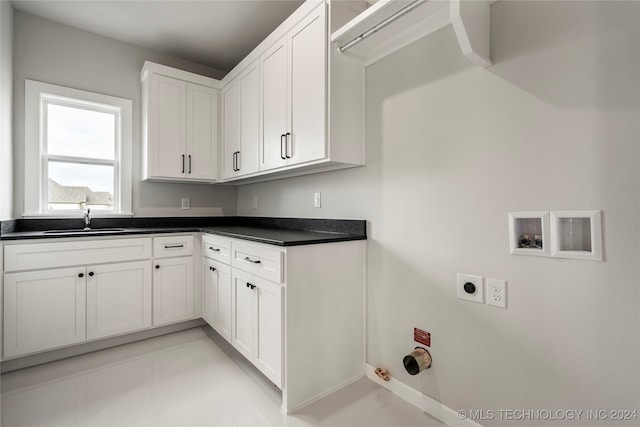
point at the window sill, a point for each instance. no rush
(76, 214)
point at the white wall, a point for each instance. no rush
(54, 53)
(6, 99)
(452, 148)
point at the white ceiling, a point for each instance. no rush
(217, 33)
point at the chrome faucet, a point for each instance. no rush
(87, 218)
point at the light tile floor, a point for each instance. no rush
(182, 379)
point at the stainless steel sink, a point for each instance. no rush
(84, 231)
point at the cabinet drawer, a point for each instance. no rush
(261, 260)
(217, 248)
(172, 246)
(37, 256)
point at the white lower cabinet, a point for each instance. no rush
(216, 296)
(118, 298)
(173, 279)
(295, 312)
(257, 323)
(244, 316)
(172, 290)
(43, 309)
(68, 291)
(57, 307)
(241, 304)
(299, 322)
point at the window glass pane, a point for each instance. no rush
(79, 132)
(79, 186)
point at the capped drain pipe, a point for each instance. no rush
(417, 361)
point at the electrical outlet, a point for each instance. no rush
(186, 203)
(470, 288)
(497, 292)
(317, 201)
(255, 202)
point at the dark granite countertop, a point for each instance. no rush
(281, 237)
(273, 231)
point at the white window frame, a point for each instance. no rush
(37, 96)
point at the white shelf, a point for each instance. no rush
(470, 20)
(576, 234)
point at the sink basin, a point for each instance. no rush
(84, 231)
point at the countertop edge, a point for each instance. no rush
(333, 237)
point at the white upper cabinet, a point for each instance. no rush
(179, 125)
(167, 136)
(202, 128)
(311, 104)
(307, 56)
(275, 105)
(231, 128)
(293, 82)
(241, 126)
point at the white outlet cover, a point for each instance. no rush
(186, 203)
(478, 295)
(497, 292)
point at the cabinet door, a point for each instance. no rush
(172, 290)
(118, 298)
(268, 351)
(257, 323)
(307, 45)
(216, 298)
(231, 128)
(43, 310)
(202, 128)
(223, 323)
(249, 156)
(244, 314)
(274, 105)
(209, 292)
(167, 127)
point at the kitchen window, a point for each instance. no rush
(77, 152)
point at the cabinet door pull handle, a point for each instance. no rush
(212, 268)
(189, 163)
(252, 286)
(211, 248)
(287, 143)
(91, 274)
(157, 267)
(257, 261)
(283, 142)
(236, 161)
(248, 284)
(81, 275)
(183, 163)
(173, 246)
